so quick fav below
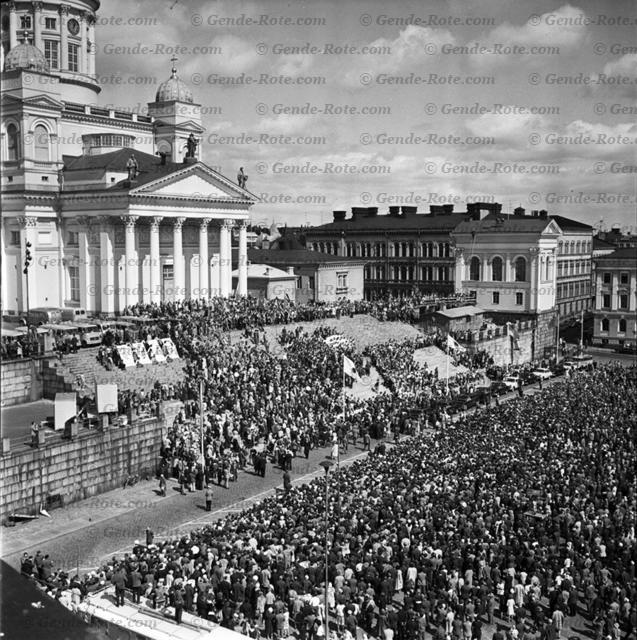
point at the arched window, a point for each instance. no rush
(605, 324)
(622, 326)
(474, 269)
(13, 143)
(520, 270)
(442, 273)
(496, 269)
(441, 249)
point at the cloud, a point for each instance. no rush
(414, 49)
(508, 129)
(238, 55)
(294, 65)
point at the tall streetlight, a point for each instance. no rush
(327, 464)
(28, 259)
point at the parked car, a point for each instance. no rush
(512, 382)
(626, 348)
(542, 373)
(75, 314)
(580, 361)
(499, 388)
(45, 315)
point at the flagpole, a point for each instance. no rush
(581, 337)
(203, 459)
(448, 349)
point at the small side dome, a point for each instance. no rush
(26, 56)
(173, 89)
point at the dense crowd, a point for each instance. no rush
(522, 515)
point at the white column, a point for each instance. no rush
(107, 267)
(460, 268)
(83, 261)
(225, 259)
(37, 25)
(155, 260)
(242, 286)
(131, 268)
(3, 268)
(215, 277)
(28, 234)
(91, 45)
(203, 259)
(64, 41)
(533, 291)
(179, 281)
(13, 26)
(83, 61)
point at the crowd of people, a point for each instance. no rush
(520, 516)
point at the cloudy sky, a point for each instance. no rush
(329, 105)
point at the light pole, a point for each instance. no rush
(28, 259)
(327, 464)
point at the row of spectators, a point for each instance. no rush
(522, 515)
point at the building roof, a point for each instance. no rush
(460, 312)
(625, 253)
(412, 221)
(504, 223)
(265, 271)
(567, 224)
(149, 167)
(173, 89)
(599, 243)
(293, 257)
(26, 56)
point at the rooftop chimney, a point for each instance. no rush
(372, 211)
(441, 209)
(544, 213)
(519, 211)
(339, 215)
(358, 212)
(408, 210)
(290, 270)
(535, 213)
(394, 211)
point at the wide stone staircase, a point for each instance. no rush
(436, 358)
(62, 375)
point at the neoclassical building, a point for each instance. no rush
(118, 207)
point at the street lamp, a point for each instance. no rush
(326, 464)
(28, 259)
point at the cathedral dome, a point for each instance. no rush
(173, 89)
(26, 56)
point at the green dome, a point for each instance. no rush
(26, 56)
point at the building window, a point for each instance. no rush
(341, 279)
(13, 144)
(74, 238)
(623, 301)
(520, 270)
(607, 278)
(606, 301)
(474, 269)
(74, 280)
(51, 53)
(25, 22)
(496, 270)
(496, 297)
(41, 143)
(14, 238)
(621, 325)
(605, 324)
(519, 298)
(74, 57)
(50, 24)
(623, 277)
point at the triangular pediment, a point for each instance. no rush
(188, 125)
(196, 182)
(40, 100)
(552, 228)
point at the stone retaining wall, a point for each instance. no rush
(21, 381)
(93, 462)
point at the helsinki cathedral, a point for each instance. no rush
(114, 207)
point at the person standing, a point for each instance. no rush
(119, 580)
(136, 584)
(162, 485)
(208, 495)
(178, 600)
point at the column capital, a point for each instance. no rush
(178, 223)
(90, 18)
(227, 223)
(203, 223)
(64, 10)
(28, 222)
(129, 221)
(244, 224)
(12, 6)
(37, 6)
(155, 221)
(106, 222)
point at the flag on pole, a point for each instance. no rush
(454, 344)
(349, 368)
